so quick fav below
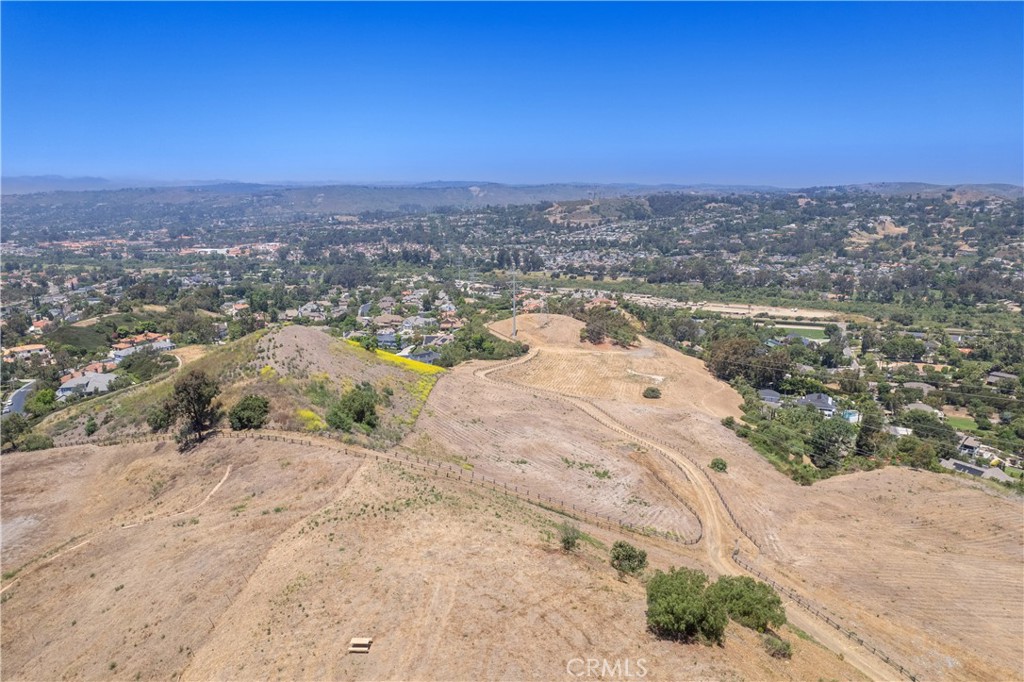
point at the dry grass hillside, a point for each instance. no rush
(238, 562)
(926, 566)
(299, 369)
(261, 559)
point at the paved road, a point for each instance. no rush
(19, 397)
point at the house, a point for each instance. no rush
(994, 378)
(427, 356)
(770, 396)
(26, 352)
(133, 344)
(417, 322)
(387, 320)
(801, 339)
(40, 326)
(387, 340)
(921, 407)
(969, 446)
(437, 339)
(919, 386)
(852, 416)
(898, 431)
(92, 368)
(991, 473)
(821, 402)
(87, 384)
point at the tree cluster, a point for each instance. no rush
(682, 605)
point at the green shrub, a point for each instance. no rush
(652, 392)
(159, 418)
(11, 428)
(146, 364)
(569, 535)
(678, 607)
(251, 412)
(90, 426)
(628, 559)
(41, 402)
(729, 422)
(36, 441)
(750, 603)
(777, 647)
(719, 465)
(337, 417)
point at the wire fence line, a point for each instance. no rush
(808, 606)
(630, 432)
(438, 470)
(578, 512)
(668, 448)
(613, 425)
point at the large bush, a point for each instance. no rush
(569, 535)
(750, 603)
(357, 407)
(628, 559)
(36, 441)
(41, 402)
(678, 607)
(251, 412)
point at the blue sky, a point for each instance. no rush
(786, 94)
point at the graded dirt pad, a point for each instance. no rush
(298, 549)
(924, 566)
(534, 442)
(572, 367)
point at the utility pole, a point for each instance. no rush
(513, 304)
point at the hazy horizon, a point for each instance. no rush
(174, 182)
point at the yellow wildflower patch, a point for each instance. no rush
(311, 421)
(410, 364)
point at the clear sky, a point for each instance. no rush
(785, 94)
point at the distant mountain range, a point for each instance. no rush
(344, 198)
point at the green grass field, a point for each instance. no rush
(962, 423)
(816, 334)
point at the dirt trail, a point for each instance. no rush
(721, 535)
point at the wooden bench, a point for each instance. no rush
(360, 645)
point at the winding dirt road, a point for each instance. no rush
(721, 535)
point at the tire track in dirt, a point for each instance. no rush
(718, 529)
(99, 533)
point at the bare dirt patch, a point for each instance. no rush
(533, 442)
(566, 365)
(301, 549)
(890, 552)
(187, 354)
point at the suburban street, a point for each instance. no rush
(19, 397)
